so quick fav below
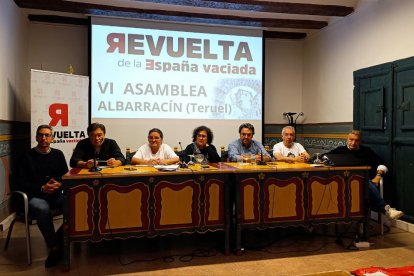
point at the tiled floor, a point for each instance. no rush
(290, 251)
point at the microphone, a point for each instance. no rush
(183, 165)
(95, 168)
(261, 162)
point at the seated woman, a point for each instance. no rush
(155, 152)
(96, 147)
(202, 139)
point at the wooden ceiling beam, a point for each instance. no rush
(168, 15)
(85, 22)
(262, 6)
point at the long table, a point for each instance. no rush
(138, 201)
(282, 194)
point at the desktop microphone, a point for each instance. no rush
(94, 167)
(261, 162)
(183, 165)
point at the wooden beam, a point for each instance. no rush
(168, 15)
(262, 6)
(85, 22)
(283, 35)
(59, 19)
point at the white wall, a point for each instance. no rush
(313, 76)
(283, 79)
(14, 73)
(54, 47)
(378, 31)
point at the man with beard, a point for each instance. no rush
(247, 145)
(39, 176)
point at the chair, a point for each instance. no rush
(270, 152)
(380, 216)
(17, 199)
(21, 215)
(129, 155)
(224, 154)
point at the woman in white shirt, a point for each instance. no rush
(155, 152)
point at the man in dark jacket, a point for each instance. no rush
(39, 176)
(378, 169)
(96, 147)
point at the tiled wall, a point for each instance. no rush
(314, 137)
(14, 139)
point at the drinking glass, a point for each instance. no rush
(239, 159)
(252, 159)
(191, 162)
(246, 158)
(199, 158)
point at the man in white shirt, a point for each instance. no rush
(288, 150)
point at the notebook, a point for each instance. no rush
(343, 159)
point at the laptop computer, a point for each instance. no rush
(342, 159)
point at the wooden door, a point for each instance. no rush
(403, 140)
(373, 105)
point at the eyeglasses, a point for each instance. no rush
(47, 135)
(201, 136)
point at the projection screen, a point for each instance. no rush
(174, 77)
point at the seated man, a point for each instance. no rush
(246, 145)
(370, 158)
(288, 150)
(39, 176)
(96, 146)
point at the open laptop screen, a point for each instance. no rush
(343, 159)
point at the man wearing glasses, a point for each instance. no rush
(39, 176)
(247, 145)
(96, 148)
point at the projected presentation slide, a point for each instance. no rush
(152, 73)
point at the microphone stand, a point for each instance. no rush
(95, 168)
(291, 120)
(261, 162)
(183, 165)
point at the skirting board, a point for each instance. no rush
(5, 224)
(400, 224)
